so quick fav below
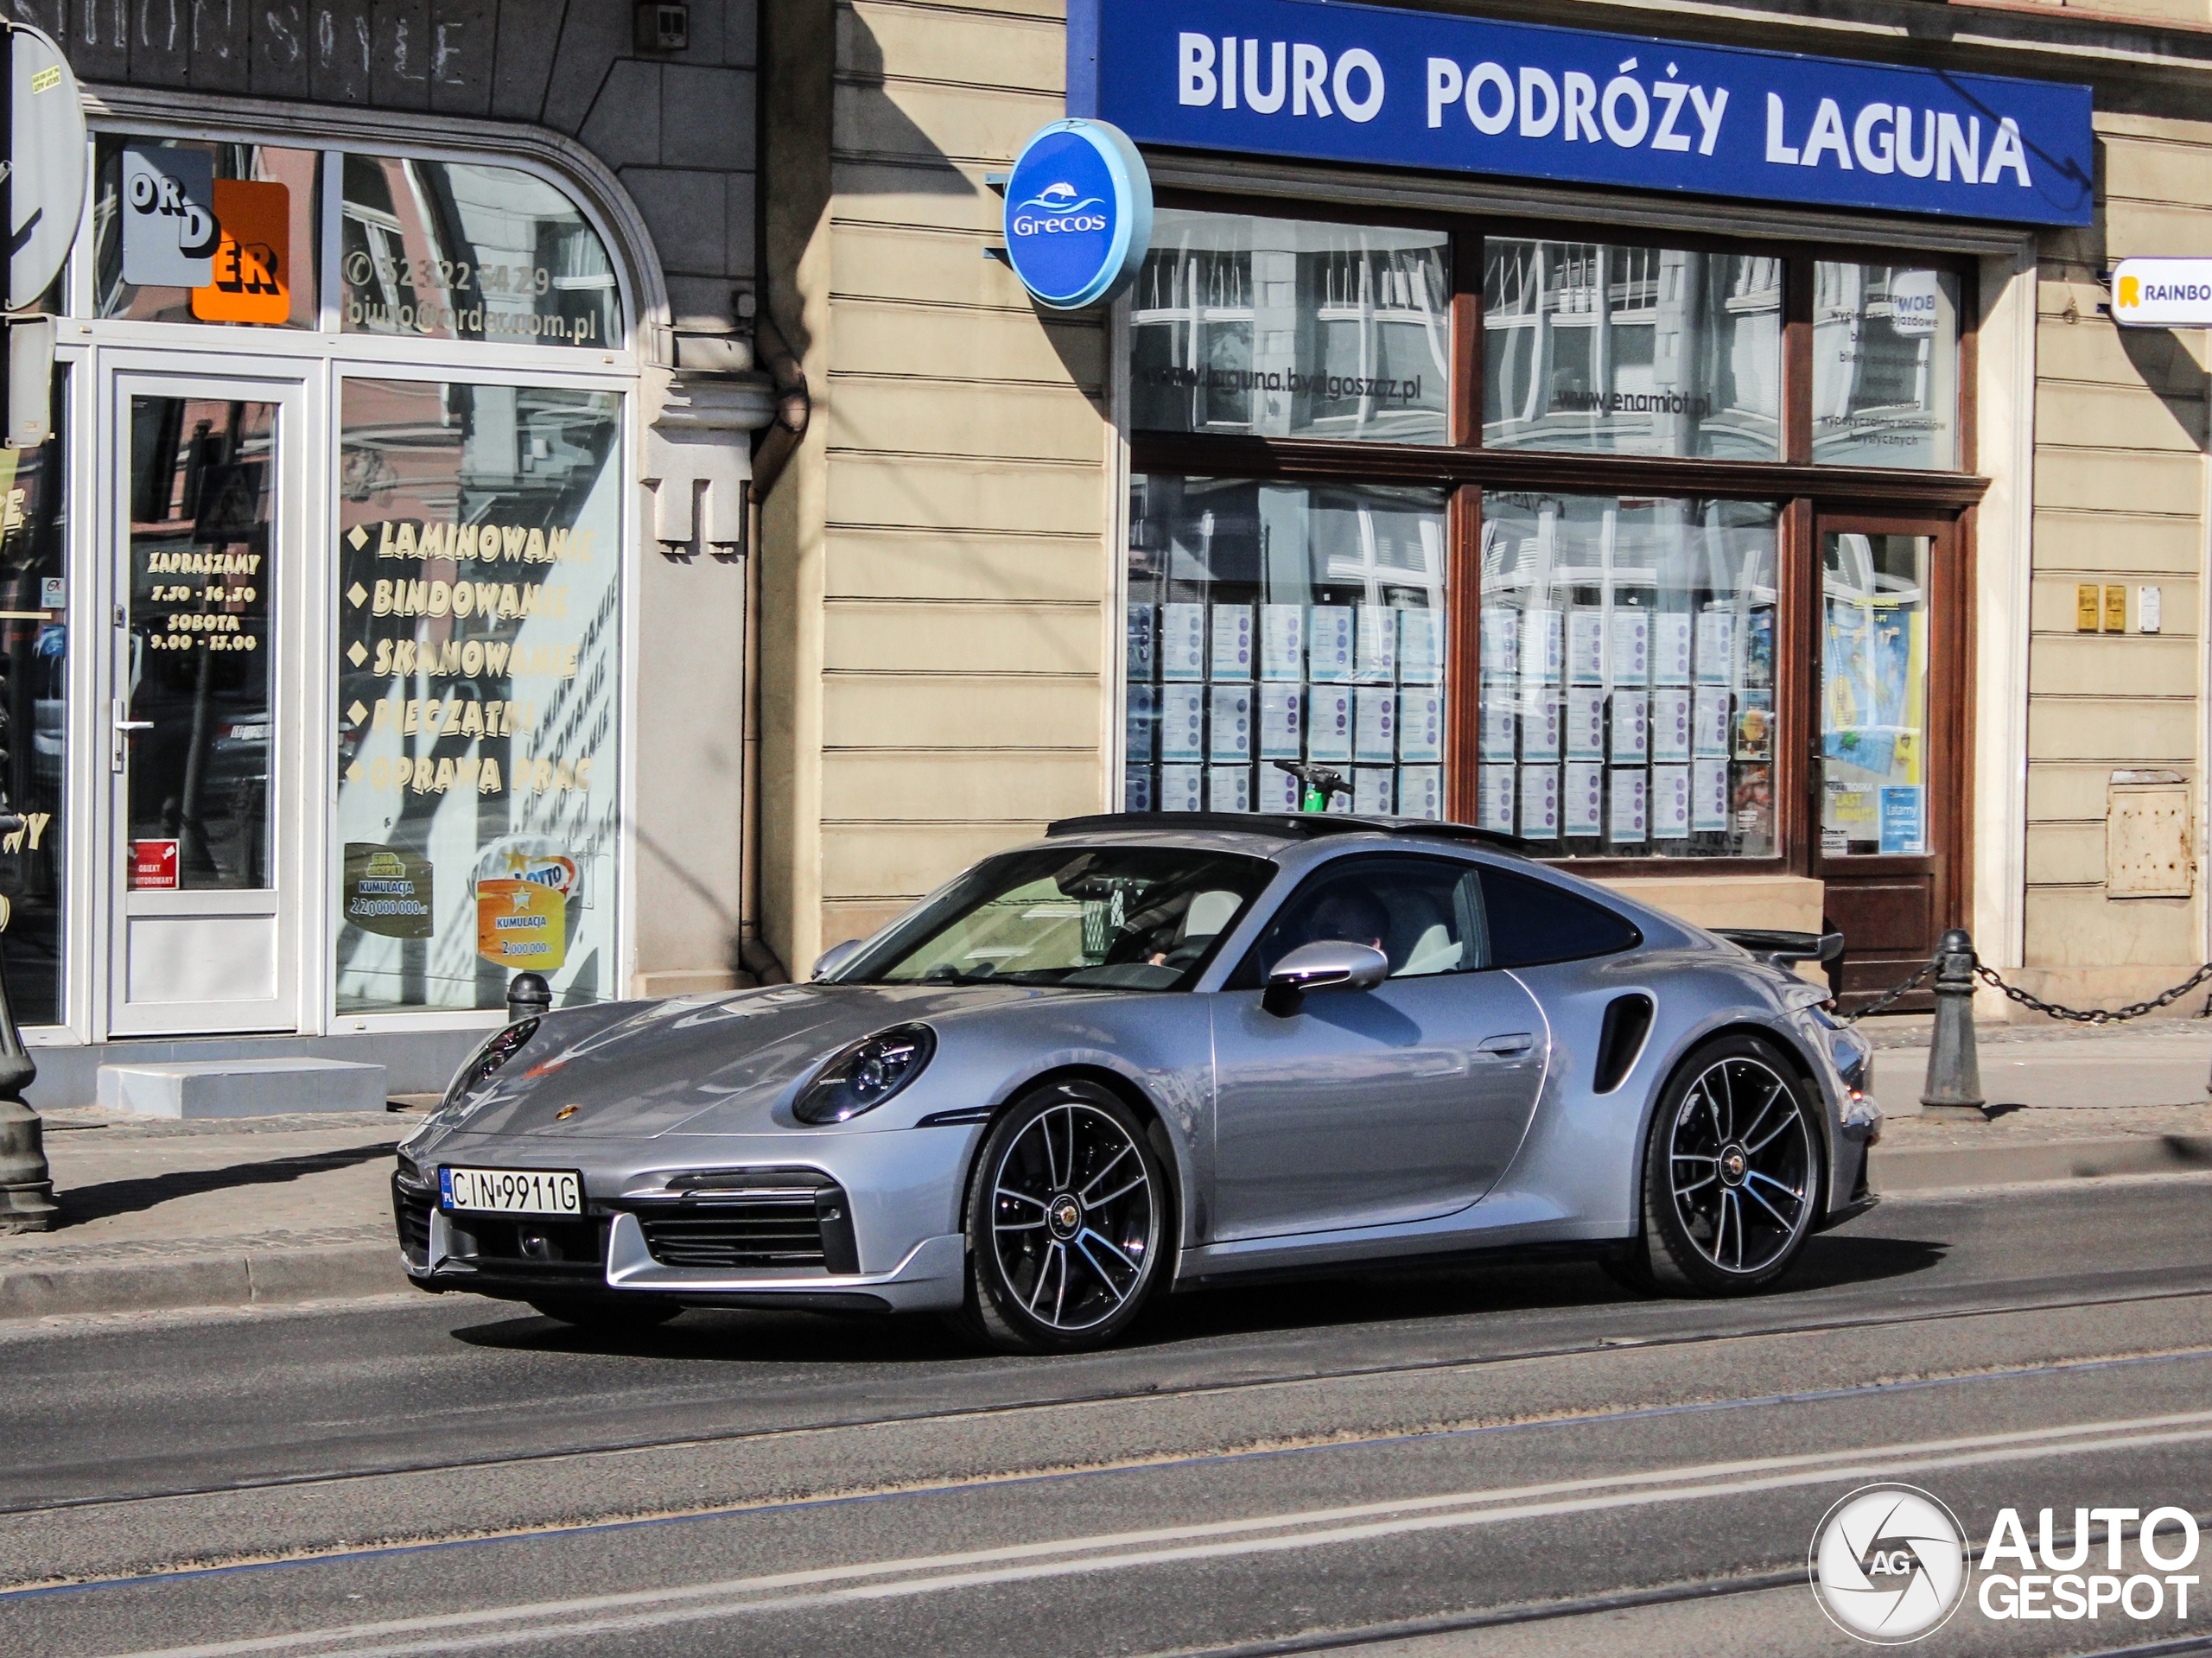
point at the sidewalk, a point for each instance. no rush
(162, 1214)
(209, 1213)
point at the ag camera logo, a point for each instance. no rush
(1888, 1564)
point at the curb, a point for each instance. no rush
(1936, 1167)
(239, 1279)
(269, 1277)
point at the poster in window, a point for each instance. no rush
(1280, 735)
(1670, 723)
(1377, 645)
(1328, 724)
(1581, 804)
(1629, 806)
(1233, 642)
(1420, 646)
(1501, 633)
(1182, 641)
(1182, 722)
(1540, 803)
(1585, 724)
(1670, 803)
(1585, 647)
(1230, 726)
(1329, 644)
(1494, 803)
(1282, 642)
(1709, 796)
(1670, 647)
(1540, 726)
(1372, 791)
(1182, 788)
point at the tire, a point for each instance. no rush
(1068, 1222)
(606, 1315)
(1733, 1173)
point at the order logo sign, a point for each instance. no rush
(169, 229)
(251, 276)
(1078, 214)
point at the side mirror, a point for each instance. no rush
(1327, 964)
(835, 957)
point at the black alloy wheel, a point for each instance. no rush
(1733, 1174)
(1068, 1222)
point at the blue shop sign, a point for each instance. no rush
(1078, 214)
(1349, 83)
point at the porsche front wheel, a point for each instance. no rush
(1068, 1222)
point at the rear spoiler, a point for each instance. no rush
(1782, 949)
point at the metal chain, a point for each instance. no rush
(2093, 1015)
(1889, 995)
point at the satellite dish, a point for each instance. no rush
(46, 186)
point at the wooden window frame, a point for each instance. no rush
(1804, 494)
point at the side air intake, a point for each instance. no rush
(1628, 1021)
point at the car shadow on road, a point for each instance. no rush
(108, 1198)
(1399, 1296)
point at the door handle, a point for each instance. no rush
(119, 750)
(1519, 1042)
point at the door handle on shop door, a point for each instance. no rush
(119, 750)
(1507, 1046)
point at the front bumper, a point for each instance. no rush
(877, 1228)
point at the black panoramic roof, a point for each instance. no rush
(1287, 826)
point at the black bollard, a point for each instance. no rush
(1953, 1085)
(26, 1184)
(527, 996)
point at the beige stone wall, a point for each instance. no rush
(952, 664)
(2120, 497)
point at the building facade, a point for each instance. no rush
(1792, 562)
(376, 612)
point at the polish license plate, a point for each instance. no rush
(512, 1192)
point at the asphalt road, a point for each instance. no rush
(1510, 1459)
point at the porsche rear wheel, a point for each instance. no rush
(1068, 1219)
(1731, 1174)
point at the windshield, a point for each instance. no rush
(1125, 917)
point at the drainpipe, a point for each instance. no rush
(772, 453)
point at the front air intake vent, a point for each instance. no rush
(1628, 1021)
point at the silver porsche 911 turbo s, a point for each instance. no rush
(1151, 1052)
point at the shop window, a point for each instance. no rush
(1292, 622)
(1288, 328)
(1885, 365)
(479, 610)
(1626, 350)
(462, 250)
(1875, 694)
(193, 230)
(1628, 675)
(34, 725)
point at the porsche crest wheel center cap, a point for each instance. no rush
(1735, 1164)
(1063, 1215)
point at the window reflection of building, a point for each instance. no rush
(1291, 329)
(1631, 350)
(1884, 364)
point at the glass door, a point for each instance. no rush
(1884, 763)
(206, 934)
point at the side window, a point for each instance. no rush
(1424, 913)
(1531, 922)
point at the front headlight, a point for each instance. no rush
(503, 1046)
(865, 1075)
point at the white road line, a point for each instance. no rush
(925, 1574)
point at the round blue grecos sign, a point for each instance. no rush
(1078, 214)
